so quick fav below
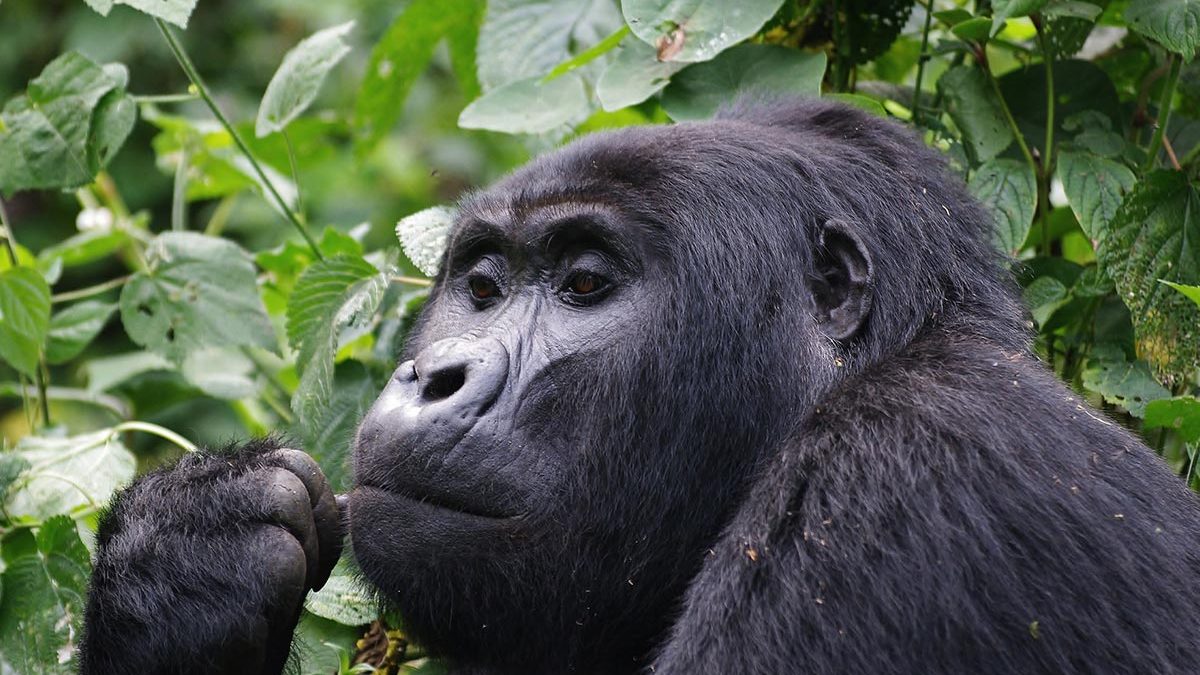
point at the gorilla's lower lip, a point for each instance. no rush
(442, 503)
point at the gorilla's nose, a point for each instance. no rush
(466, 375)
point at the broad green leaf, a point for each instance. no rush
(320, 645)
(521, 39)
(199, 291)
(1008, 188)
(861, 102)
(1067, 25)
(1181, 413)
(1155, 235)
(11, 467)
(1129, 385)
(1067, 8)
(975, 29)
(86, 247)
(333, 295)
(528, 106)
(976, 112)
(697, 30)
(75, 327)
(400, 57)
(1079, 86)
(329, 438)
(175, 11)
(634, 75)
(41, 622)
(344, 600)
(1175, 24)
(1011, 9)
(106, 372)
(1191, 292)
(24, 317)
(699, 90)
(295, 85)
(220, 373)
(59, 133)
(423, 236)
(1043, 297)
(68, 473)
(1095, 187)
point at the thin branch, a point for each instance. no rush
(90, 290)
(412, 281)
(189, 69)
(1164, 114)
(9, 242)
(916, 104)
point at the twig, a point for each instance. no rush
(412, 281)
(185, 62)
(921, 59)
(90, 290)
(1164, 114)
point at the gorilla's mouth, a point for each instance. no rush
(441, 502)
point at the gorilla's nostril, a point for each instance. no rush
(443, 383)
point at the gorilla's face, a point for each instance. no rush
(600, 366)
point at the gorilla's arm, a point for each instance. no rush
(955, 510)
(202, 568)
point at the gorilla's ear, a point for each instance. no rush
(842, 284)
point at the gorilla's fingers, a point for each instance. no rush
(324, 510)
(287, 562)
(286, 502)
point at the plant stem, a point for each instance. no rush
(9, 242)
(165, 98)
(156, 430)
(921, 59)
(189, 69)
(1008, 117)
(287, 140)
(412, 281)
(179, 193)
(43, 377)
(220, 216)
(1164, 114)
(90, 290)
(1048, 150)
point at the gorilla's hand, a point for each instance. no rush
(203, 568)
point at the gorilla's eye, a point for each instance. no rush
(483, 288)
(581, 287)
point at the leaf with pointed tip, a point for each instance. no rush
(24, 317)
(1174, 24)
(73, 328)
(1095, 187)
(1008, 188)
(423, 236)
(697, 30)
(299, 78)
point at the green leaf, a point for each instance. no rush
(198, 291)
(295, 85)
(40, 624)
(1079, 87)
(175, 11)
(24, 317)
(1011, 9)
(68, 473)
(1181, 413)
(107, 372)
(344, 600)
(976, 111)
(330, 437)
(1068, 8)
(400, 57)
(75, 327)
(528, 106)
(634, 75)
(1095, 187)
(699, 90)
(11, 467)
(861, 102)
(1129, 385)
(1008, 188)
(1192, 292)
(1043, 297)
(423, 236)
(59, 133)
(1155, 235)
(696, 30)
(1175, 24)
(220, 373)
(333, 295)
(521, 39)
(1067, 25)
(975, 29)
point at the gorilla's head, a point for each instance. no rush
(619, 334)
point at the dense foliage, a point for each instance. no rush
(188, 263)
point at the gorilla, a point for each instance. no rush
(753, 395)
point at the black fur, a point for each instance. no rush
(694, 474)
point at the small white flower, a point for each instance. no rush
(98, 219)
